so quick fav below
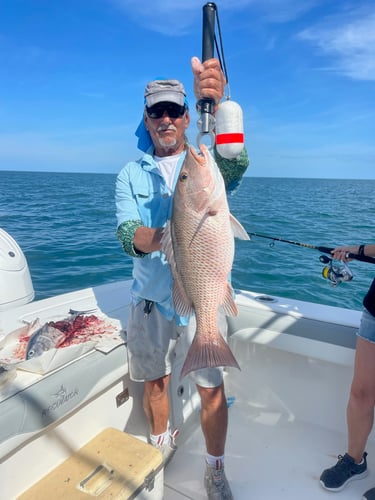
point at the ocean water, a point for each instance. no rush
(65, 224)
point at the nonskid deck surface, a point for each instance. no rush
(269, 460)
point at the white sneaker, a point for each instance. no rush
(216, 484)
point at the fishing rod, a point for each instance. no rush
(206, 105)
(222, 125)
(329, 250)
(206, 122)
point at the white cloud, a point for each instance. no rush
(281, 11)
(349, 42)
(168, 17)
(173, 17)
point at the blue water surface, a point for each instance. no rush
(65, 223)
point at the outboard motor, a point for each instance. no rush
(16, 287)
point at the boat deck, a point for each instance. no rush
(287, 423)
(287, 404)
(270, 460)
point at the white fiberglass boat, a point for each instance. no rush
(287, 405)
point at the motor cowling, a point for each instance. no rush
(16, 286)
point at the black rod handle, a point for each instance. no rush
(208, 40)
(208, 31)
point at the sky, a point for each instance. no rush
(73, 72)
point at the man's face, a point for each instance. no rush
(167, 123)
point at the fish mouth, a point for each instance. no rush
(200, 156)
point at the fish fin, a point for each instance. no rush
(238, 229)
(166, 244)
(182, 304)
(203, 354)
(229, 306)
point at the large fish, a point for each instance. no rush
(199, 245)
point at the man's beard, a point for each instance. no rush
(167, 143)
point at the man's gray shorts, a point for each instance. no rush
(152, 340)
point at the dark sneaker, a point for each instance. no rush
(369, 495)
(337, 477)
(216, 484)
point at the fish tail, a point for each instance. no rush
(203, 354)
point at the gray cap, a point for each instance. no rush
(165, 91)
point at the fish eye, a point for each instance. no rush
(183, 176)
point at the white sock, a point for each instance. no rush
(215, 462)
(160, 439)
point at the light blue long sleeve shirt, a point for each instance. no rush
(142, 194)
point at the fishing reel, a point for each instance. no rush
(335, 273)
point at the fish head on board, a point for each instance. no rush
(200, 181)
(45, 338)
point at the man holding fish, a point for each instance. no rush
(173, 220)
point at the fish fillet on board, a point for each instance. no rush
(199, 245)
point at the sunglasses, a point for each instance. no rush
(173, 110)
